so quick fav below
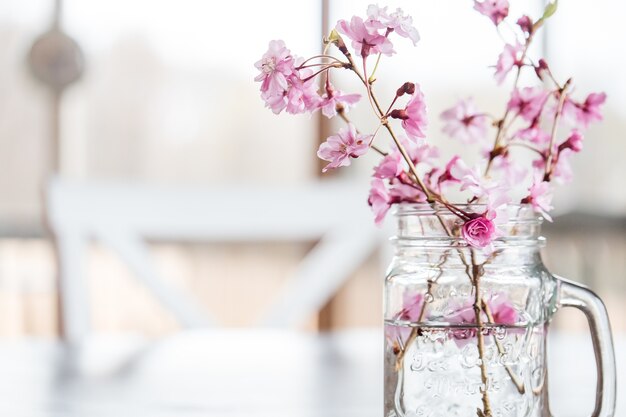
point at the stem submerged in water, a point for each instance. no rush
(477, 272)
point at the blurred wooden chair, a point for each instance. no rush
(123, 216)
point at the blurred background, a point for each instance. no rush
(156, 99)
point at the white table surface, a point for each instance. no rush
(241, 373)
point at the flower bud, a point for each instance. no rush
(573, 142)
(407, 88)
(525, 24)
(399, 114)
(335, 38)
(542, 66)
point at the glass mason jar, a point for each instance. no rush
(465, 328)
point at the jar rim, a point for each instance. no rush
(515, 212)
(419, 224)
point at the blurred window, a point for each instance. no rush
(168, 97)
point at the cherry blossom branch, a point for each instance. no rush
(474, 277)
(476, 269)
(380, 114)
(477, 273)
(557, 115)
(414, 332)
(472, 272)
(385, 122)
(500, 124)
(429, 196)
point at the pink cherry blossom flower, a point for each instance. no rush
(340, 148)
(379, 200)
(397, 21)
(400, 190)
(302, 96)
(480, 187)
(459, 169)
(541, 68)
(411, 310)
(375, 17)
(587, 112)
(391, 166)
(463, 318)
(562, 172)
(420, 152)
(504, 313)
(470, 178)
(534, 134)
(413, 116)
(510, 57)
(411, 307)
(276, 65)
(540, 197)
(334, 99)
(464, 122)
(528, 102)
(276, 102)
(496, 10)
(525, 24)
(497, 208)
(405, 192)
(479, 231)
(365, 40)
(574, 142)
(511, 172)
(485, 190)
(431, 179)
(298, 96)
(446, 176)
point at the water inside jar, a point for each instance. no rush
(440, 372)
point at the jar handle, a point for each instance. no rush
(571, 294)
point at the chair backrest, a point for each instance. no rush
(122, 216)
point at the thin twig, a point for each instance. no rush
(371, 78)
(422, 315)
(555, 125)
(319, 56)
(525, 145)
(514, 377)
